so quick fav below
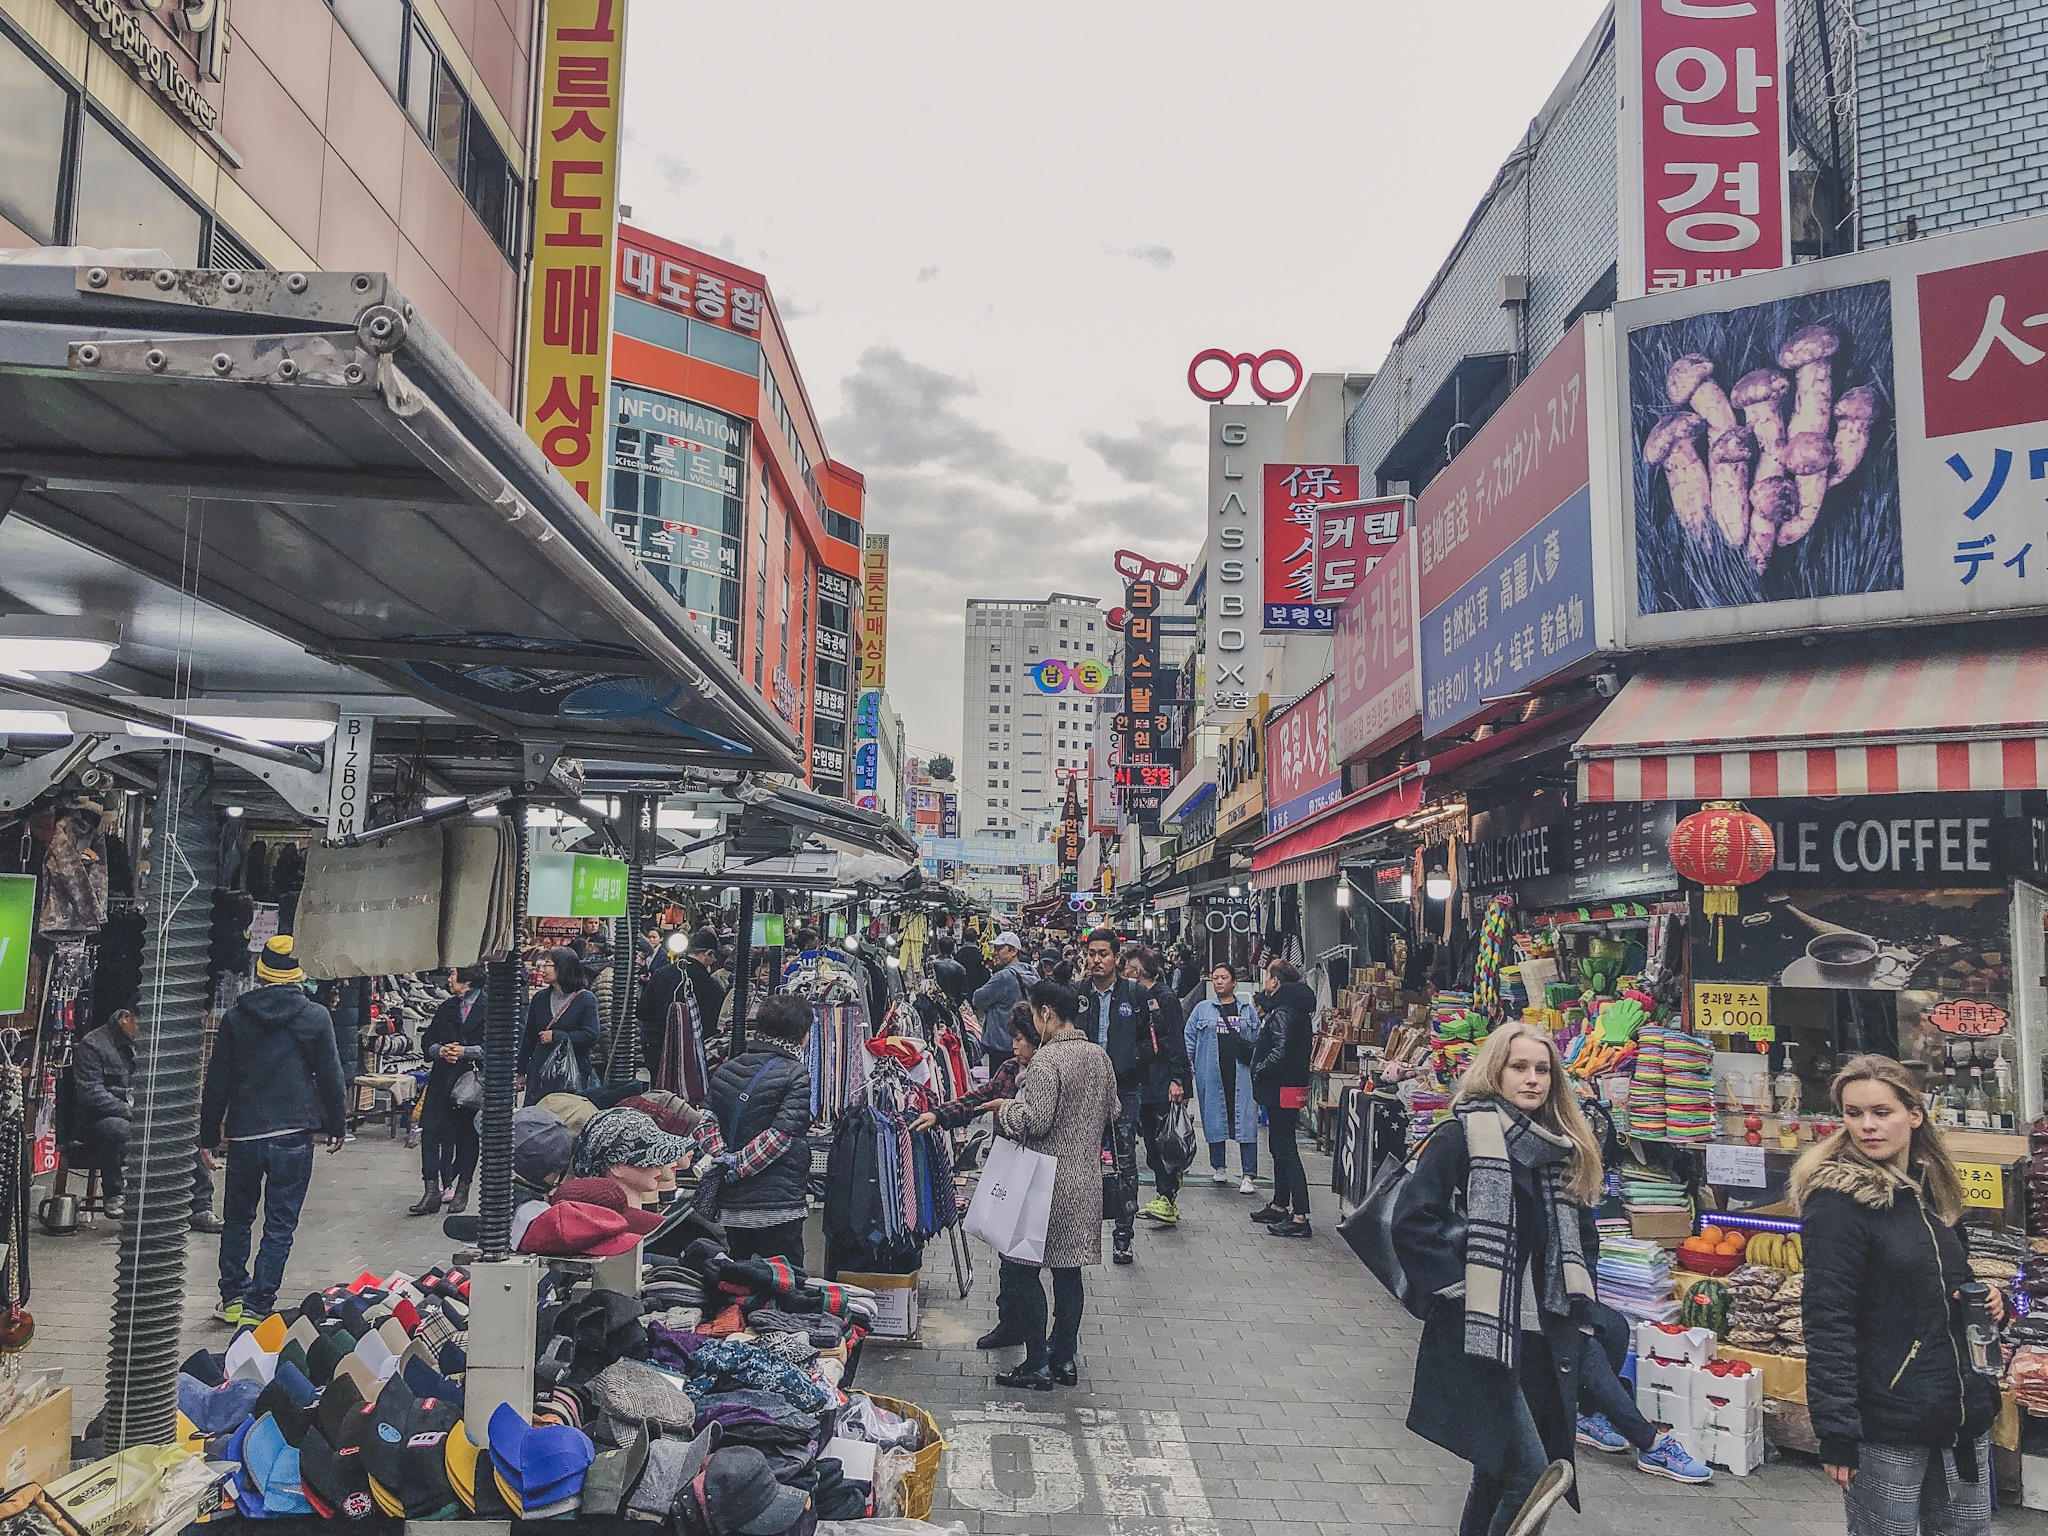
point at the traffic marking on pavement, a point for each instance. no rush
(1133, 1465)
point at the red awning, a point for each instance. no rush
(1397, 795)
(1956, 720)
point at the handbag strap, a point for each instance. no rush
(739, 1107)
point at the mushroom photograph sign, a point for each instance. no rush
(1845, 443)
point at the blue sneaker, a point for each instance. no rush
(1597, 1432)
(1667, 1458)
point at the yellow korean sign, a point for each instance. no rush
(1983, 1185)
(1737, 1010)
(874, 611)
(575, 207)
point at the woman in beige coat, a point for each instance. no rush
(1067, 1099)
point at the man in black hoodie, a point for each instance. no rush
(1151, 1061)
(273, 1080)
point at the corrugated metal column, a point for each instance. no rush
(501, 1059)
(149, 1271)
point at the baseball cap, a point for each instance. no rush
(426, 1382)
(391, 1423)
(335, 1485)
(1008, 937)
(541, 1147)
(273, 1465)
(413, 1474)
(338, 1405)
(543, 1462)
(574, 1229)
(249, 1361)
(743, 1497)
(216, 1410)
(204, 1367)
(271, 1332)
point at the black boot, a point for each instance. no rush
(428, 1203)
(455, 1206)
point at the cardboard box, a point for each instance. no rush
(2034, 1481)
(1741, 1393)
(1741, 1454)
(1660, 1226)
(898, 1297)
(1668, 1379)
(1730, 1418)
(35, 1446)
(1784, 1375)
(1663, 1407)
(1686, 1346)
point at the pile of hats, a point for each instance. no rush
(1646, 1112)
(1688, 1087)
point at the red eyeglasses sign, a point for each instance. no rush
(1238, 363)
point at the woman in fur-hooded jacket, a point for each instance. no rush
(1888, 1377)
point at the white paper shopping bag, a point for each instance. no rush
(1000, 1213)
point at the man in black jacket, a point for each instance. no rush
(1151, 1061)
(274, 1079)
(948, 972)
(101, 1101)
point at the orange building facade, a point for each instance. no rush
(718, 478)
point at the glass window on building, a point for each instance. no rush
(422, 62)
(451, 118)
(726, 349)
(124, 202)
(34, 111)
(377, 28)
(839, 526)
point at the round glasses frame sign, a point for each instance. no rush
(1238, 363)
(1235, 920)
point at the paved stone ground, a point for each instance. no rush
(1231, 1383)
(1234, 1383)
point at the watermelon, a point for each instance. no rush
(1707, 1305)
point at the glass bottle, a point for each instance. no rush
(1787, 1089)
(1950, 1114)
(1976, 1104)
(2004, 1111)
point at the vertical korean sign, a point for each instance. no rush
(873, 670)
(1375, 698)
(1352, 537)
(1146, 771)
(1703, 141)
(1294, 495)
(569, 293)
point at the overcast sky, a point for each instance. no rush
(997, 236)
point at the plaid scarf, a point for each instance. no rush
(1497, 1138)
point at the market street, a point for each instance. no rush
(1179, 1427)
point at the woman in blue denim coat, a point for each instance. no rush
(1219, 1036)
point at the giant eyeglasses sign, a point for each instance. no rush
(1055, 676)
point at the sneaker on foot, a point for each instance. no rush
(205, 1221)
(1160, 1209)
(1294, 1228)
(1124, 1255)
(1597, 1432)
(113, 1207)
(1218, 1176)
(229, 1312)
(1249, 1186)
(1667, 1458)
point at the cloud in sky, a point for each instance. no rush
(1025, 415)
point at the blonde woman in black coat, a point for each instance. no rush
(1495, 1232)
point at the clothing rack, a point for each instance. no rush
(837, 1056)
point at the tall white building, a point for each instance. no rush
(1015, 738)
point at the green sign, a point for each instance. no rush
(768, 930)
(17, 921)
(575, 885)
(836, 925)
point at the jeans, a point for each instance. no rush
(1124, 1143)
(1247, 1156)
(275, 1170)
(1029, 1299)
(1152, 1125)
(1497, 1497)
(784, 1240)
(1901, 1490)
(1601, 1389)
(448, 1153)
(1290, 1179)
(106, 1143)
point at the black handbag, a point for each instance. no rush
(1369, 1229)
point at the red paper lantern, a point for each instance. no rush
(1721, 846)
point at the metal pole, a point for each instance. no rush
(742, 972)
(622, 1066)
(501, 1063)
(149, 1271)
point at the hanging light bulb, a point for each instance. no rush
(1437, 886)
(1407, 886)
(1343, 892)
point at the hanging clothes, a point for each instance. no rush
(888, 1189)
(684, 1069)
(837, 1056)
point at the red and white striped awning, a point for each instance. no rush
(1853, 726)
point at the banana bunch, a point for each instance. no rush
(1778, 1250)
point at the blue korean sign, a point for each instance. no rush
(867, 759)
(1526, 616)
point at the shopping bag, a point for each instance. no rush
(1012, 1204)
(1177, 1139)
(559, 1072)
(1369, 1230)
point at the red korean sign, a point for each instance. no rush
(575, 184)
(1375, 698)
(1293, 493)
(1704, 145)
(1351, 538)
(1967, 1016)
(1984, 345)
(690, 283)
(1530, 456)
(1300, 778)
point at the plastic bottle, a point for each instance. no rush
(1787, 1087)
(1976, 1106)
(1985, 1355)
(1950, 1115)
(2004, 1112)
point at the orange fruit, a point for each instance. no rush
(1712, 1233)
(1738, 1237)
